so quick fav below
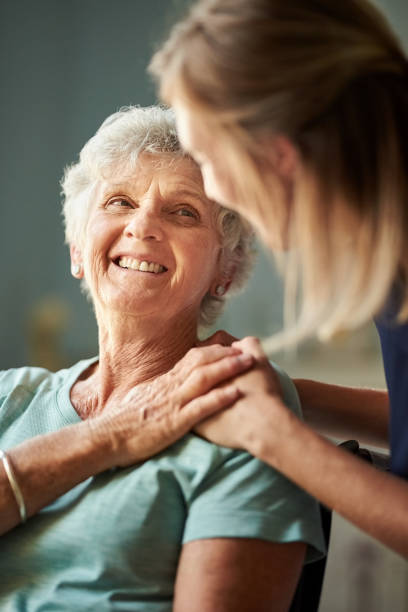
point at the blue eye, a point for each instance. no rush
(119, 203)
(188, 212)
(185, 212)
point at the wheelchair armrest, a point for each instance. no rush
(381, 461)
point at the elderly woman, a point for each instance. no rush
(197, 526)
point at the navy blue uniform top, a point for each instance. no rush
(394, 345)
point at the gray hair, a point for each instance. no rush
(115, 149)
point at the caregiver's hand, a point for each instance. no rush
(154, 415)
(259, 405)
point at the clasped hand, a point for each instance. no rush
(154, 415)
(258, 407)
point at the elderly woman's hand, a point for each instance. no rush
(259, 391)
(154, 415)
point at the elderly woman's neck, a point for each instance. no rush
(131, 353)
(136, 351)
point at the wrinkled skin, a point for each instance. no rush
(156, 414)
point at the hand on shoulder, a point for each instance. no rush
(258, 407)
(154, 415)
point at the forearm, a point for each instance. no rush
(47, 466)
(345, 412)
(374, 501)
(125, 433)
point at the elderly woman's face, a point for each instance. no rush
(151, 243)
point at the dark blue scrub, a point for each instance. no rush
(394, 344)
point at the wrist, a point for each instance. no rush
(272, 424)
(99, 443)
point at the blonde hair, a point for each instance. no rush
(333, 79)
(114, 151)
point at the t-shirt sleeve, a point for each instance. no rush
(27, 378)
(246, 498)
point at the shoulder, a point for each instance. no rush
(209, 464)
(218, 471)
(214, 474)
(31, 379)
(230, 493)
(289, 392)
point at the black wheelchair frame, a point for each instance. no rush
(309, 589)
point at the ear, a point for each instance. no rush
(77, 268)
(222, 283)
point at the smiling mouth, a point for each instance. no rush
(141, 266)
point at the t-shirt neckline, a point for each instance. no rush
(64, 403)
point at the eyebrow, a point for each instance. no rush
(175, 193)
(186, 193)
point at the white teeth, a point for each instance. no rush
(142, 266)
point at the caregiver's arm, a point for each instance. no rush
(337, 411)
(49, 465)
(237, 575)
(260, 423)
(345, 412)
(374, 501)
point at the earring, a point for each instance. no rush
(219, 290)
(76, 269)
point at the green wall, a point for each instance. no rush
(64, 66)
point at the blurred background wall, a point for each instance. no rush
(64, 66)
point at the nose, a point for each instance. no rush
(144, 224)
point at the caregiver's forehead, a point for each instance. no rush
(189, 128)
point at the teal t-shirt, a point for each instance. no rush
(113, 542)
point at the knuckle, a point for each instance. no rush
(194, 379)
(233, 363)
(201, 377)
(220, 393)
(253, 340)
(204, 379)
(195, 356)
